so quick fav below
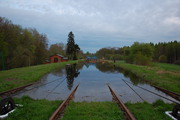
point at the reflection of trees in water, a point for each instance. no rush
(59, 72)
(110, 68)
(71, 73)
(80, 65)
(106, 67)
(87, 64)
(134, 79)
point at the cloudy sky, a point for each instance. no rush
(98, 23)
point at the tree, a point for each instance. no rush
(140, 53)
(171, 50)
(162, 58)
(21, 47)
(57, 48)
(72, 48)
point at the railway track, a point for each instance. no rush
(128, 115)
(9, 92)
(61, 108)
(170, 93)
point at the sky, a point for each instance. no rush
(98, 23)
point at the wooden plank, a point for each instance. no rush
(61, 108)
(127, 113)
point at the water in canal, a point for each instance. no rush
(93, 79)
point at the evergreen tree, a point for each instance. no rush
(72, 48)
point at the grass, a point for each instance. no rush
(163, 75)
(17, 77)
(43, 109)
(33, 109)
(146, 111)
(92, 111)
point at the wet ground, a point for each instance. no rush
(93, 79)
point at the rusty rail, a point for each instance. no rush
(170, 93)
(6, 93)
(60, 109)
(127, 113)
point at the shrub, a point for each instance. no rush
(163, 58)
(142, 59)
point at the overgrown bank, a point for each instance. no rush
(21, 76)
(163, 75)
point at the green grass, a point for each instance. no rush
(169, 67)
(33, 109)
(92, 111)
(17, 77)
(146, 111)
(163, 75)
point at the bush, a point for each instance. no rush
(129, 59)
(142, 59)
(140, 53)
(163, 58)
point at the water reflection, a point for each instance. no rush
(58, 72)
(110, 68)
(93, 84)
(106, 67)
(87, 64)
(71, 73)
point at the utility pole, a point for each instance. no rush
(2, 60)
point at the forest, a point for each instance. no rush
(144, 53)
(20, 46)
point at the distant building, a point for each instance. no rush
(56, 58)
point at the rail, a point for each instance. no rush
(60, 109)
(170, 93)
(6, 93)
(15, 90)
(127, 113)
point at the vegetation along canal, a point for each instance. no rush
(93, 79)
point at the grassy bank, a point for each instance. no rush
(146, 111)
(92, 111)
(33, 109)
(21, 76)
(163, 75)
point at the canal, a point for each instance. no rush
(93, 79)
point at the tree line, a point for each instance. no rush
(144, 53)
(20, 47)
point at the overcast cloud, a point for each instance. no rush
(98, 23)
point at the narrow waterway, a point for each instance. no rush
(93, 79)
